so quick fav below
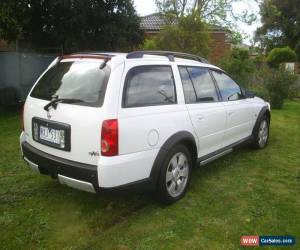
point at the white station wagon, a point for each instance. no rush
(143, 119)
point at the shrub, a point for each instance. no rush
(240, 54)
(149, 44)
(277, 83)
(281, 55)
(294, 92)
(239, 65)
(271, 84)
(260, 90)
(297, 50)
(257, 80)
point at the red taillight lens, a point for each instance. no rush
(109, 138)
(22, 118)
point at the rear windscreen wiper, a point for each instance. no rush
(54, 102)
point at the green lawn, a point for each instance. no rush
(245, 193)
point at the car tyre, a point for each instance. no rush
(174, 175)
(261, 135)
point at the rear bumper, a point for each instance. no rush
(73, 174)
(78, 175)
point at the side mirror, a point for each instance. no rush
(234, 97)
(249, 94)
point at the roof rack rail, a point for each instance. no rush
(169, 54)
(93, 53)
(89, 56)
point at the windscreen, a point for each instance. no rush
(82, 80)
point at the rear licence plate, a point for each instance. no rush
(50, 134)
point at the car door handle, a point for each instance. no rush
(230, 113)
(200, 117)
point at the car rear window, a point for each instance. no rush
(83, 80)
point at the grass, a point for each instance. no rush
(245, 193)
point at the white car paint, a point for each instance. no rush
(142, 130)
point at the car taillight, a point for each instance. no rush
(22, 118)
(109, 138)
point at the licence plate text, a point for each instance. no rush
(50, 134)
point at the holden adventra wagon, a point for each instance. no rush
(102, 121)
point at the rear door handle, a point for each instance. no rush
(199, 117)
(230, 113)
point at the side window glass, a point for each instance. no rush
(230, 91)
(149, 86)
(188, 88)
(203, 84)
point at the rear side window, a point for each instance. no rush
(149, 86)
(230, 91)
(83, 80)
(188, 87)
(198, 85)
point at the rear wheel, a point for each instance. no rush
(261, 136)
(175, 175)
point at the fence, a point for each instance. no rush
(19, 71)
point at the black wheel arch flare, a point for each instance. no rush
(183, 137)
(264, 111)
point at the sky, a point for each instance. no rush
(146, 7)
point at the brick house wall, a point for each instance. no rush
(219, 46)
(150, 34)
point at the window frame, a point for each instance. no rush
(220, 99)
(126, 82)
(220, 94)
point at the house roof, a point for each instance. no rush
(152, 22)
(155, 22)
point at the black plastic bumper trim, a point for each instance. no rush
(53, 165)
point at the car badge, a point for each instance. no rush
(48, 115)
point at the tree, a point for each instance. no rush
(239, 65)
(73, 24)
(297, 50)
(218, 12)
(188, 35)
(280, 24)
(281, 55)
(11, 16)
(278, 83)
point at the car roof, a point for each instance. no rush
(118, 57)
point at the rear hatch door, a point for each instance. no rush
(63, 113)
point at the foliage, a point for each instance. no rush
(281, 55)
(280, 23)
(294, 92)
(188, 35)
(218, 12)
(235, 37)
(277, 83)
(149, 44)
(214, 12)
(271, 84)
(12, 14)
(297, 50)
(74, 25)
(239, 65)
(260, 90)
